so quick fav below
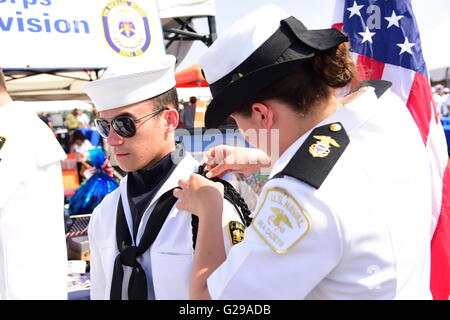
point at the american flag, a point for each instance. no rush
(385, 43)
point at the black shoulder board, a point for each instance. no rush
(380, 86)
(318, 154)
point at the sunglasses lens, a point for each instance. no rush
(124, 126)
(102, 127)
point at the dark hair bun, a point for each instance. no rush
(335, 66)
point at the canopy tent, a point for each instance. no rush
(190, 82)
(177, 20)
(440, 74)
(436, 53)
(190, 77)
(28, 83)
(38, 85)
(186, 8)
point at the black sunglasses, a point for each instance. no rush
(124, 126)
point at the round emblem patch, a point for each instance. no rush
(126, 28)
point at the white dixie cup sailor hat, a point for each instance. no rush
(131, 81)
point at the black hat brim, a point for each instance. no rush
(244, 89)
(274, 60)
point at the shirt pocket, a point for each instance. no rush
(107, 253)
(104, 244)
(171, 272)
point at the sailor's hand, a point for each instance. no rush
(198, 194)
(223, 159)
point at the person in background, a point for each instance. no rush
(94, 116)
(440, 100)
(189, 113)
(33, 256)
(80, 145)
(141, 245)
(83, 118)
(445, 107)
(44, 117)
(72, 121)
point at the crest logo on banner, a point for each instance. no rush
(126, 28)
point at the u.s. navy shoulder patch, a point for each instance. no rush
(281, 221)
(2, 142)
(236, 230)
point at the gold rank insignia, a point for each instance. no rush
(321, 148)
(236, 230)
(335, 127)
(2, 142)
(280, 221)
(313, 161)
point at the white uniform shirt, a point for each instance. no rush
(84, 119)
(441, 104)
(364, 234)
(168, 262)
(83, 150)
(445, 107)
(33, 256)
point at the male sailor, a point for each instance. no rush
(141, 245)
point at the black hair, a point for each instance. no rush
(309, 84)
(78, 135)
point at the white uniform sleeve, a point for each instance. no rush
(97, 271)
(48, 150)
(31, 215)
(255, 270)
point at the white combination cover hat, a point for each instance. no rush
(255, 52)
(128, 82)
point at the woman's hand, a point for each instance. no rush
(198, 195)
(223, 159)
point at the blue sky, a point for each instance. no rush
(430, 14)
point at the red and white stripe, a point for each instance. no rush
(106, 167)
(77, 233)
(415, 90)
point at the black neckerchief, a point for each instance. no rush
(137, 287)
(128, 254)
(142, 186)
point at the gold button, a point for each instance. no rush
(335, 127)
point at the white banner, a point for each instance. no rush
(186, 8)
(77, 34)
